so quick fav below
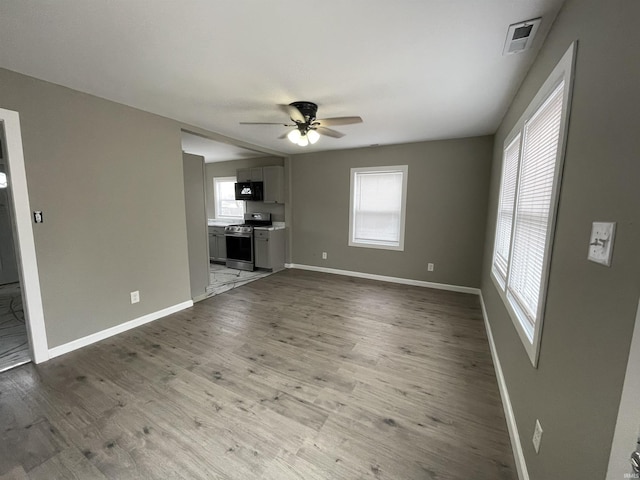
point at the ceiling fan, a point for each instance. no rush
(307, 127)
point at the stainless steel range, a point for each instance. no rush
(239, 238)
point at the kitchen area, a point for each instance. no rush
(244, 196)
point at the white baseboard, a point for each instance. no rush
(384, 278)
(123, 327)
(521, 464)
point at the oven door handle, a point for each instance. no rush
(238, 235)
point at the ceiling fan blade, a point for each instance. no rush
(330, 122)
(267, 123)
(294, 113)
(329, 133)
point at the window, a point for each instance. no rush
(531, 170)
(224, 198)
(377, 209)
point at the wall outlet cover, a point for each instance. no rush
(537, 436)
(601, 242)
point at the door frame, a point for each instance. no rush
(628, 423)
(25, 248)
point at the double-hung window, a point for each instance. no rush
(531, 173)
(377, 207)
(224, 195)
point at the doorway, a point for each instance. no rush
(626, 438)
(25, 300)
(14, 342)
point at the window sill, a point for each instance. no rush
(212, 222)
(380, 246)
(530, 336)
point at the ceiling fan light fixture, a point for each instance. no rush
(304, 141)
(313, 136)
(308, 129)
(294, 136)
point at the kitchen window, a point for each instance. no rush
(377, 207)
(530, 182)
(224, 195)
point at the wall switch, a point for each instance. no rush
(135, 296)
(537, 436)
(37, 216)
(324, 255)
(430, 267)
(601, 242)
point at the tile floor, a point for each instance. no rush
(222, 279)
(14, 345)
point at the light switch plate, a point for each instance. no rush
(537, 436)
(601, 242)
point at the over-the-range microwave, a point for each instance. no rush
(249, 191)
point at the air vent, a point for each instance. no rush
(520, 36)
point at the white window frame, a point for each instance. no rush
(403, 169)
(216, 205)
(531, 335)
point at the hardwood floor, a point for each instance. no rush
(299, 375)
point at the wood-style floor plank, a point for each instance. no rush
(299, 375)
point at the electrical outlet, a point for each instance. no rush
(324, 255)
(537, 436)
(135, 296)
(430, 267)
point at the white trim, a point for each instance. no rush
(384, 278)
(123, 327)
(28, 264)
(404, 169)
(216, 194)
(518, 454)
(563, 71)
(627, 429)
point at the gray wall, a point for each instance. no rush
(109, 181)
(447, 192)
(228, 169)
(197, 232)
(590, 308)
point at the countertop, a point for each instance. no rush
(224, 223)
(275, 226)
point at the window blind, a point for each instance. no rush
(505, 208)
(224, 195)
(378, 207)
(537, 172)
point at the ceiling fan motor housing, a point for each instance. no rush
(308, 109)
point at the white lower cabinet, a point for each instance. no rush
(269, 249)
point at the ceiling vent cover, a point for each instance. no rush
(520, 36)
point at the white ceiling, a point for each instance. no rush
(412, 69)
(214, 151)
